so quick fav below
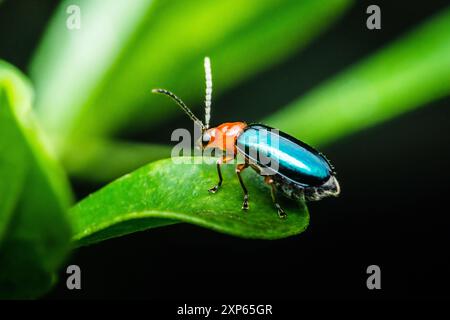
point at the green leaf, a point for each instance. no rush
(12, 164)
(34, 196)
(164, 192)
(405, 75)
(96, 80)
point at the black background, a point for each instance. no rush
(393, 211)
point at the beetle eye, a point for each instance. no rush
(206, 138)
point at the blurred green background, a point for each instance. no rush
(310, 68)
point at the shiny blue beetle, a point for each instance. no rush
(289, 166)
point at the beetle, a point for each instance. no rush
(289, 166)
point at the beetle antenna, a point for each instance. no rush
(208, 81)
(183, 106)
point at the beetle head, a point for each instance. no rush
(222, 137)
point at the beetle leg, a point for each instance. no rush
(239, 168)
(273, 192)
(224, 159)
(219, 173)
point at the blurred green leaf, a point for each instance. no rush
(411, 72)
(34, 196)
(96, 80)
(163, 193)
(104, 160)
